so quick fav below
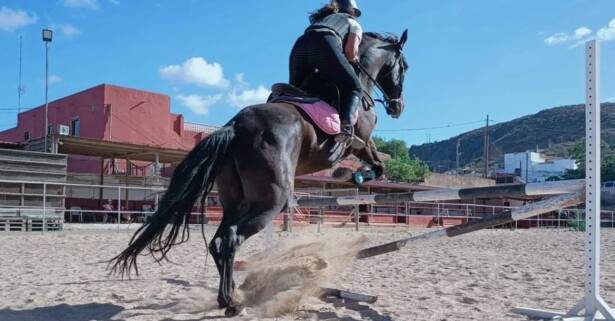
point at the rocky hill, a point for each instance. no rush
(553, 131)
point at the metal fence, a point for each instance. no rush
(47, 211)
(200, 128)
(439, 211)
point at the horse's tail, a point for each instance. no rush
(192, 178)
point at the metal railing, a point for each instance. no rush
(46, 209)
(352, 214)
(200, 128)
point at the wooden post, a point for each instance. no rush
(406, 211)
(356, 218)
(127, 191)
(102, 178)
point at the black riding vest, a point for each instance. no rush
(337, 22)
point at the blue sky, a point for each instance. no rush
(468, 58)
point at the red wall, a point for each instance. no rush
(108, 112)
(144, 118)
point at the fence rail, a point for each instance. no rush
(402, 212)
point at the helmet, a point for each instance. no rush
(348, 6)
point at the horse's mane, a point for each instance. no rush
(389, 38)
(386, 37)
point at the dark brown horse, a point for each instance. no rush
(253, 161)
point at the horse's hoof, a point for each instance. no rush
(233, 311)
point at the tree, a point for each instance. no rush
(395, 147)
(401, 167)
(578, 154)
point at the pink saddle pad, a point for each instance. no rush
(323, 115)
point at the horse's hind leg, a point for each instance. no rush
(256, 218)
(231, 197)
(266, 188)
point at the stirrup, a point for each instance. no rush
(343, 138)
(356, 142)
(350, 140)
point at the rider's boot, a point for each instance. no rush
(346, 135)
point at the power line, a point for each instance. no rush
(429, 128)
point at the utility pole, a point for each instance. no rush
(458, 154)
(47, 37)
(527, 166)
(19, 87)
(486, 150)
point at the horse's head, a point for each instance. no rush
(385, 64)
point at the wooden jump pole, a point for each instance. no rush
(524, 212)
(505, 190)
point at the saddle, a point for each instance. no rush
(319, 112)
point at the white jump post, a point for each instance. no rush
(592, 306)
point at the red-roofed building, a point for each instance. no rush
(109, 113)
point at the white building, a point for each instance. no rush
(534, 167)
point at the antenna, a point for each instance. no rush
(20, 89)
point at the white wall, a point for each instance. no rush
(538, 169)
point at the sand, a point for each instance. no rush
(61, 276)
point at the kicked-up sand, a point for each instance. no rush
(62, 276)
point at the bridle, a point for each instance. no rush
(387, 100)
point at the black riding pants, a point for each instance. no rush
(323, 51)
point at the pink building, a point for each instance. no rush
(110, 113)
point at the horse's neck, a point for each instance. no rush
(373, 64)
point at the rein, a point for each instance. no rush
(387, 100)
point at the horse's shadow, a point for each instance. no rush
(65, 312)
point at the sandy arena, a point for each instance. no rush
(481, 276)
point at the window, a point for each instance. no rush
(26, 136)
(74, 127)
(50, 129)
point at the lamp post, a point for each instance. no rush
(47, 37)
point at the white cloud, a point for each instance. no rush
(241, 83)
(197, 71)
(556, 38)
(611, 99)
(582, 33)
(115, 2)
(67, 30)
(88, 4)
(199, 104)
(607, 33)
(247, 97)
(11, 20)
(54, 79)
(563, 37)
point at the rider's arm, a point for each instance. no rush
(351, 49)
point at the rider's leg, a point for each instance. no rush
(349, 106)
(299, 67)
(334, 66)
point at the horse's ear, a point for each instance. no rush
(403, 39)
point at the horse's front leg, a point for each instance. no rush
(369, 154)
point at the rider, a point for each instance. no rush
(331, 45)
